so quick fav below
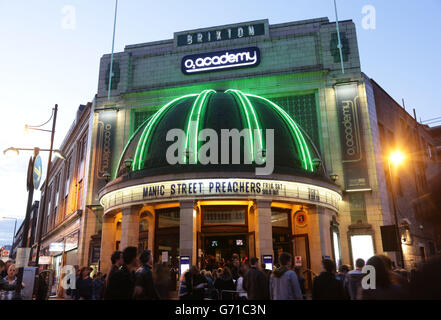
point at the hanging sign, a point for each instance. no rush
(298, 261)
(38, 170)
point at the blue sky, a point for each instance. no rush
(43, 63)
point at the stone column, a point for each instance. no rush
(130, 227)
(107, 242)
(187, 245)
(263, 229)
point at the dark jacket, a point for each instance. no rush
(84, 288)
(113, 269)
(121, 285)
(256, 285)
(353, 284)
(4, 285)
(144, 279)
(225, 283)
(192, 287)
(327, 287)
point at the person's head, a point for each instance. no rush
(382, 273)
(328, 265)
(387, 261)
(85, 272)
(285, 259)
(2, 265)
(129, 257)
(245, 266)
(254, 262)
(359, 264)
(236, 262)
(117, 258)
(194, 270)
(203, 272)
(11, 271)
(146, 257)
(344, 268)
(226, 273)
(208, 274)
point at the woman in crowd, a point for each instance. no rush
(239, 286)
(11, 278)
(192, 285)
(225, 282)
(84, 285)
(161, 280)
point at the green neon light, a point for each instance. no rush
(256, 121)
(199, 104)
(139, 153)
(306, 156)
(243, 106)
(128, 143)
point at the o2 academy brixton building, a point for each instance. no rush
(324, 196)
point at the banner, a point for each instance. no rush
(354, 161)
(105, 140)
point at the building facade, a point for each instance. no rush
(329, 194)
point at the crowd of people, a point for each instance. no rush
(133, 277)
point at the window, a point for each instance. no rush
(429, 151)
(224, 216)
(82, 148)
(303, 109)
(139, 116)
(279, 218)
(67, 176)
(362, 247)
(168, 218)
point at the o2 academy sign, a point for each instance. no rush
(220, 34)
(220, 60)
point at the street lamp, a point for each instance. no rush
(30, 187)
(396, 158)
(15, 228)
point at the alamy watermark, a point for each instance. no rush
(182, 152)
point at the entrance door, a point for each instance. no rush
(301, 248)
(220, 248)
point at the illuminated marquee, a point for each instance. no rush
(221, 188)
(221, 60)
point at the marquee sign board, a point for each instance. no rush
(246, 30)
(218, 188)
(220, 60)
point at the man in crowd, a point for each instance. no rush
(144, 288)
(326, 286)
(121, 284)
(284, 284)
(255, 282)
(353, 279)
(117, 261)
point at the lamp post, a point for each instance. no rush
(396, 158)
(15, 228)
(30, 187)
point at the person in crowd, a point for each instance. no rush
(284, 284)
(192, 285)
(161, 281)
(173, 275)
(4, 284)
(210, 283)
(255, 282)
(72, 293)
(341, 276)
(11, 280)
(426, 282)
(144, 287)
(235, 265)
(117, 261)
(121, 283)
(266, 271)
(84, 285)
(4, 272)
(42, 287)
(353, 279)
(325, 286)
(97, 286)
(399, 276)
(302, 281)
(242, 295)
(385, 289)
(225, 282)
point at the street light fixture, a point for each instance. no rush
(396, 158)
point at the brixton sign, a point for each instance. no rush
(221, 60)
(237, 32)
